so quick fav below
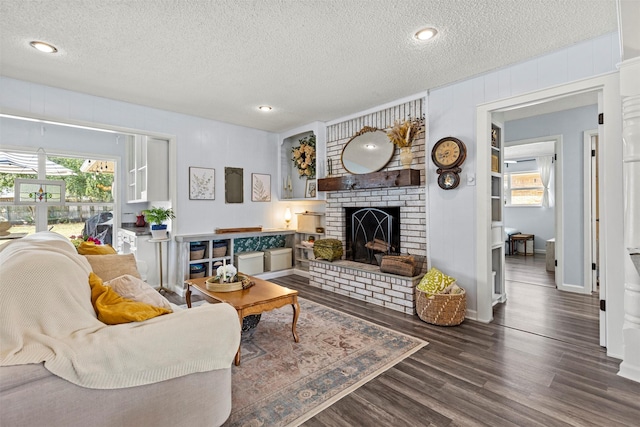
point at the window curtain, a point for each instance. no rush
(545, 165)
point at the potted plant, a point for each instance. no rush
(157, 217)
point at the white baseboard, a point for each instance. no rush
(471, 314)
(629, 372)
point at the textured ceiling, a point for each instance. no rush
(310, 60)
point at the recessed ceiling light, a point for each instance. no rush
(44, 47)
(265, 108)
(426, 34)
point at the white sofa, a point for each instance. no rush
(61, 366)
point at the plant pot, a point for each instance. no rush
(159, 231)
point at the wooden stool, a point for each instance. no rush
(514, 238)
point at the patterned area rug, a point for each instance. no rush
(281, 383)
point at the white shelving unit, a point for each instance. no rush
(147, 165)
(497, 207)
(288, 172)
(308, 222)
(209, 259)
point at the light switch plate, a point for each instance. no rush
(471, 179)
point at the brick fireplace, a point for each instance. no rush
(360, 280)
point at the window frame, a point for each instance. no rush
(41, 210)
(508, 189)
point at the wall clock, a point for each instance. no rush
(449, 179)
(448, 154)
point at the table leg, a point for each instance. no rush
(188, 295)
(162, 289)
(296, 313)
(237, 358)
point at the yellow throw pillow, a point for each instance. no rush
(435, 281)
(90, 248)
(113, 309)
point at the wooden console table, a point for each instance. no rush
(514, 238)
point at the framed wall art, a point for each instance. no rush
(202, 183)
(260, 187)
(233, 184)
(310, 189)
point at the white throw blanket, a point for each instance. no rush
(46, 316)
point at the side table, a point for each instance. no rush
(514, 238)
(161, 289)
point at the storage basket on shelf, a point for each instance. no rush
(196, 251)
(197, 270)
(441, 309)
(219, 248)
(439, 300)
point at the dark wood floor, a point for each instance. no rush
(536, 306)
(489, 374)
(537, 364)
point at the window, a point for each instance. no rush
(523, 189)
(88, 203)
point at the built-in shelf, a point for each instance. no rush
(497, 205)
(382, 179)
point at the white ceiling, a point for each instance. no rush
(530, 150)
(309, 59)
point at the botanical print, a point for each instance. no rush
(201, 184)
(260, 187)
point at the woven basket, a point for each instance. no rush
(441, 309)
(196, 254)
(244, 282)
(219, 252)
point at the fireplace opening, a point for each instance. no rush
(370, 231)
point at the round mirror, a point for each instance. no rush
(368, 151)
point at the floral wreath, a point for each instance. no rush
(304, 157)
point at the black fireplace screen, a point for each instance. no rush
(370, 231)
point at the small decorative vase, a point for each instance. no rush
(406, 157)
(140, 221)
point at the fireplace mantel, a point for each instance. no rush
(382, 179)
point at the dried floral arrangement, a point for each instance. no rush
(304, 157)
(402, 134)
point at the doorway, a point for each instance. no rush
(532, 201)
(607, 92)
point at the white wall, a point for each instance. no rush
(198, 142)
(451, 226)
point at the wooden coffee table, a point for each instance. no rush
(261, 297)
